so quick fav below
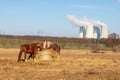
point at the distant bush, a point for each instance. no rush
(11, 43)
(99, 48)
(65, 43)
(116, 49)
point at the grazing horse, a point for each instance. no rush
(56, 48)
(53, 46)
(30, 49)
(47, 44)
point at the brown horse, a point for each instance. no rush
(29, 49)
(56, 48)
(53, 46)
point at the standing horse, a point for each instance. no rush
(29, 49)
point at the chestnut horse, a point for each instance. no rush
(56, 48)
(53, 46)
(29, 49)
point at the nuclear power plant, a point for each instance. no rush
(89, 28)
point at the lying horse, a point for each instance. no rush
(29, 49)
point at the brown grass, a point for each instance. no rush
(71, 65)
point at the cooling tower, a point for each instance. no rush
(95, 35)
(89, 31)
(104, 31)
(90, 28)
(96, 31)
(82, 32)
(81, 35)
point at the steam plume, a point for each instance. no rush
(83, 21)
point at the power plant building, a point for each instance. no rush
(92, 31)
(90, 28)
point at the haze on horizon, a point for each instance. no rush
(49, 17)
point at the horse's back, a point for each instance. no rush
(28, 48)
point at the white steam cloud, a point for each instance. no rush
(118, 1)
(84, 21)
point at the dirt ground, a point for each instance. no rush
(71, 65)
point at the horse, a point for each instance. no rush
(53, 46)
(47, 44)
(30, 49)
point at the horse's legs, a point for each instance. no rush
(34, 59)
(58, 53)
(30, 56)
(25, 55)
(58, 50)
(19, 56)
(34, 56)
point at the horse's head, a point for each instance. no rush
(39, 46)
(55, 47)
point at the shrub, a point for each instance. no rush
(116, 49)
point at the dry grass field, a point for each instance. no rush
(71, 65)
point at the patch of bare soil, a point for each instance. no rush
(71, 65)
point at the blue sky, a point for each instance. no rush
(48, 17)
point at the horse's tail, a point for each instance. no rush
(19, 55)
